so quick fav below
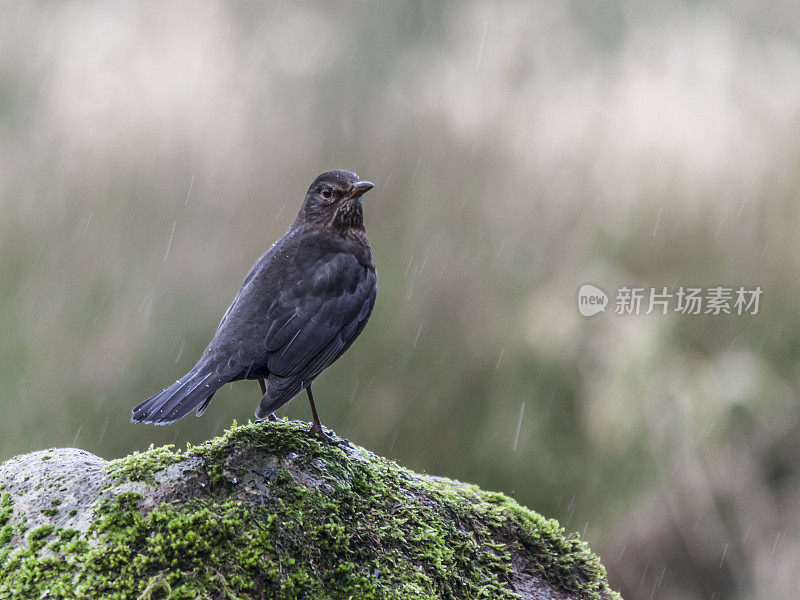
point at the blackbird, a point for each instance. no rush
(300, 307)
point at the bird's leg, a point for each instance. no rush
(316, 427)
(263, 385)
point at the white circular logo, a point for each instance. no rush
(591, 300)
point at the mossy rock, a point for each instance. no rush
(267, 511)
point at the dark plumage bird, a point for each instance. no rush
(299, 309)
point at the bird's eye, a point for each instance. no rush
(327, 192)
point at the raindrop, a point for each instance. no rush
(355, 391)
(88, 222)
(169, 245)
(519, 426)
(99, 311)
(658, 220)
(411, 283)
(499, 358)
(483, 41)
(19, 14)
(75, 441)
(416, 339)
(719, 228)
(180, 351)
(189, 193)
(741, 208)
(777, 541)
(419, 161)
(555, 146)
(657, 582)
(559, 179)
(264, 47)
(724, 552)
(428, 24)
(570, 511)
(225, 43)
(408, 268)
(103, 434)
(641, 581)
(697, 524)
(393, 442)
(146, 306)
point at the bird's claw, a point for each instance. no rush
(318, 432)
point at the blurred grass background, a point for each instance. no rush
(150, 152)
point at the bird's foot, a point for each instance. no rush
(317, 431)
(272, 417)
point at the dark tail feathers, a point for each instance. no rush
(193, 390)
(280, 391)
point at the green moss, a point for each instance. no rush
(41, 532)
(568, 561)
(365, 528)
(142, 466)
(6, 508)
(55, 502)
(49, 512)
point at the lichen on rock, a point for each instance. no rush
(267, 511)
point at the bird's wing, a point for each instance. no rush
(328, 308)
(313, 323)
(255, 269)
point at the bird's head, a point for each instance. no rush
(334, 200)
